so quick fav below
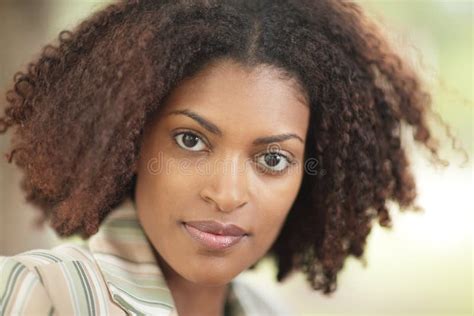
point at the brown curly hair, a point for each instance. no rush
(80, 109)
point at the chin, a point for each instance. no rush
(211, 281)
(211, 277)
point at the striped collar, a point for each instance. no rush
(126, 261)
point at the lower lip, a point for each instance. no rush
(212, 241)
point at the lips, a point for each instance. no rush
(214, 235)
(217, 228)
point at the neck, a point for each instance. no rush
(190, 297)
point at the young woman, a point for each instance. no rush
(187, 140)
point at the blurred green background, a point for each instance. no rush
(423, 266)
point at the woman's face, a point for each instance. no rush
(215, 151)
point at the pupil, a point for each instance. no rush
(189, 140)
(272, 159)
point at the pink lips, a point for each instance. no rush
(215, 235)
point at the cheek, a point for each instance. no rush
(274, 202)
(272, 215)
(167, 175)
(164, 186)
(275, 196)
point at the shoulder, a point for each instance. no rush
(63, 279)
(21, 289)
(43, 257)
(41, 261)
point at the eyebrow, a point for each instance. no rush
(211, 127)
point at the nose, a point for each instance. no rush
(227, 185)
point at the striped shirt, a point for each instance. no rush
(114, 273)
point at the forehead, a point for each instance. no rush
(227, 93)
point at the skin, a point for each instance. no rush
(218, 176)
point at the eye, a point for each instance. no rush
(188, 141)
(274, 162)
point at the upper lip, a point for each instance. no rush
(218, 228)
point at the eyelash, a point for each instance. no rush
(269, 170)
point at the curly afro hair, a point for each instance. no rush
(80, 109)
